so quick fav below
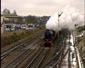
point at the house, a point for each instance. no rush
(10, 20)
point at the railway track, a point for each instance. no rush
(5, 49)
(10, 56)
(21, 57)
(34, 56)
(38, 61)
(59, 62)
(30, 59)
(19, 48)
(33, 59)
(49, 55)
(57, 57)
(6, 52)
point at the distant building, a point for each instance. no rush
(9, 20)
(10, 17)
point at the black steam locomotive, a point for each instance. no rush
(49, 37)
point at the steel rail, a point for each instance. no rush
(20, 58)
(25, 52)
(19, 43)
(5, 54)
(39, 59)
(38, 66)
(36, 56)
(54, 59)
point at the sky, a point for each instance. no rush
(40, 7)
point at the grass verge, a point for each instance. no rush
(8, 38)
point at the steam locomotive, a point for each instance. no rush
(49, 37)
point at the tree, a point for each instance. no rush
(31, 19)
(14, 12)
(6, 11)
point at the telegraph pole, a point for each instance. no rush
(58, 22)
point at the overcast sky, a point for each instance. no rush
(40, 7)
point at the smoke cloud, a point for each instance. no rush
(68, 19)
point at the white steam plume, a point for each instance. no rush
(68, 19)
